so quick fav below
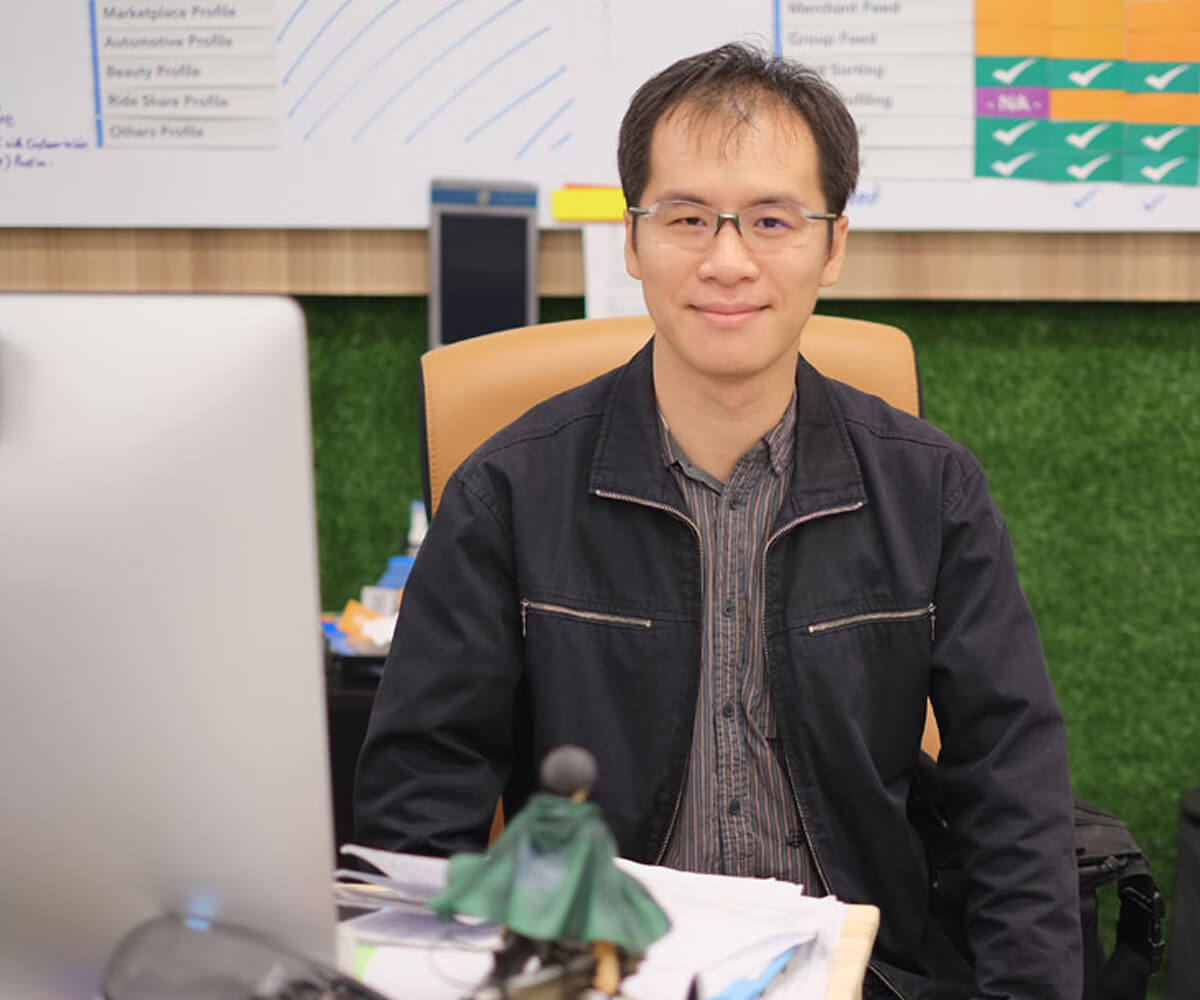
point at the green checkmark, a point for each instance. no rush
(1011, 71)
(1162, 170)
(1026, 166)
(1001, 138)
(1165, 140)
(1087, 74)
(1162, 77)
(1083, 138)
(1082, 168)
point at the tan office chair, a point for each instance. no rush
(471, 389)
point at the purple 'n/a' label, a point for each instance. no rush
(1012, 102)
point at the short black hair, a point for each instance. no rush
(732, 79)
(567, 769)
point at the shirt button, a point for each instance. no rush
(735, 807)
(727, 610)
(727, 710)
(734, 503)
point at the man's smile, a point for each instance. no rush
(728, 314)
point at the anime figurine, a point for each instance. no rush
(551, 882)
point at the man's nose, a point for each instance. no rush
(728, 256)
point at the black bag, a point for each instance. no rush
(1184, 972)
(1105, 852)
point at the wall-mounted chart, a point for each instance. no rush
(973, 114)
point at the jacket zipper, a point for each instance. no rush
(886, 982)
(662, 849)
(766, 653)
(879, 616)
(787, 766)
(587, 616)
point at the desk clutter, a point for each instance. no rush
(362, 632)
(730, 937)
(549, 911)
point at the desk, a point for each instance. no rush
(349, 700)
(392, 970)
(852, 952)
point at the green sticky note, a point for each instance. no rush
(1011, 71)
(1083, 168)
(1165, 140)
(1026, 166)
(1164, 171)
(1162, 77)
(1001, 137)
(1085, 137)
(362, 958)
(1087, 74)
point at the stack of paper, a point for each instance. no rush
(731, 938)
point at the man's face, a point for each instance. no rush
(722, 311)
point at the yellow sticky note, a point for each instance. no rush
(588, 204)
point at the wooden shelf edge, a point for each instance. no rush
(879, 265)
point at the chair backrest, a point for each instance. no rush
(473, 388)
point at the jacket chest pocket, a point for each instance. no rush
(865, 674)
(878, 618)
(581, 615)
(584, 664)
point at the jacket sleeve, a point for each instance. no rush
(438, 747)
(1003, 765)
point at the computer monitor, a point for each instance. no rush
(162, 733)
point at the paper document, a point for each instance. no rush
(726, 930)
(409, 876)
(730, 939)
(608, 289)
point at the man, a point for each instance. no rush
(737, 582)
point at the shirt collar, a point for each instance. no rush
(779, 441)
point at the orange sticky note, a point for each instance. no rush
(1088, 13)
(1012, 39)
(1161, 15)
(1162, 46)
(353, 617)
(1162, 109)
(1087, 43)
(1087, 105)
(1011, 12)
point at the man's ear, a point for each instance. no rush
(837, 252)
(632, 266)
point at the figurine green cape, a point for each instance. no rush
(551, 877)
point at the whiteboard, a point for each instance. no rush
(338, 113)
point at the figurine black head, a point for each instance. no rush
(568, 769)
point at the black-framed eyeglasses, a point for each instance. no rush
(766, 228)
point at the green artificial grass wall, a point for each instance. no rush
(1084, 417)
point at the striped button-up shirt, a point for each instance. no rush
(737, 815)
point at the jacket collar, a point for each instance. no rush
(626, 461)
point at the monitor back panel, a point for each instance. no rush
(162, 735)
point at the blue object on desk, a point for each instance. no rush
(749, 989)
(396, 574)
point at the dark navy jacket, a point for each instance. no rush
(557, 599)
